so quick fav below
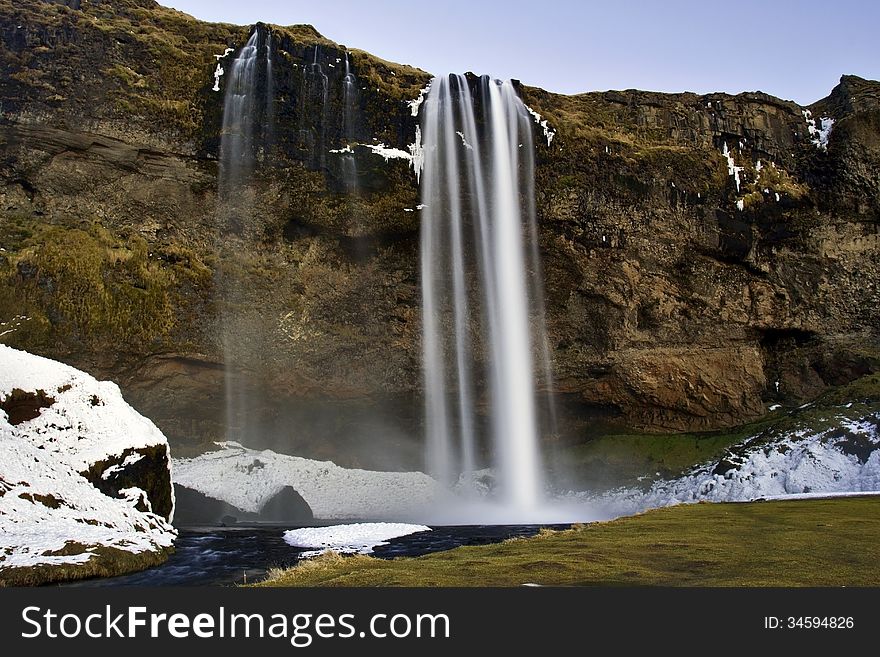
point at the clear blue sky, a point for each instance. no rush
(795, 50)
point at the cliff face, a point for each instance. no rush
(691, 287)
(678, 298)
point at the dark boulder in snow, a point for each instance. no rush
(195, 508)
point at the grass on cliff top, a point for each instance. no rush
(825, 542)
(160, 61)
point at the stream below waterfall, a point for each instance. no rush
(221, 556)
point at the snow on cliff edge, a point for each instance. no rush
(58, 425)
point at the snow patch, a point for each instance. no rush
(71, 429)
(414, 154)
(219, 70)
(358, 538)
(824, 132)
(13, 324)
(732, 169)
(387, 152)
(417, 155)
(549, 133)
(793, 465)
(416, 102)
(131, 459)
(818, 135)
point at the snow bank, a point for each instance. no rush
(247, 479)
(89, 421)
(45, 502)
(358, 538)
(843, 460)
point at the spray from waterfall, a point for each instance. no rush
(482, 298)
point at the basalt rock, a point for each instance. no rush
(194, 508)
(686, 288)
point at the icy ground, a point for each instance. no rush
(44, 502)
(840, 460)
(358, 538)
(248, 478)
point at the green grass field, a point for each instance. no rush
(819, 542)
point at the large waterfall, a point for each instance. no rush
(486, 362)
(481, 291)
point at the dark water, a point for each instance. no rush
(227, 556)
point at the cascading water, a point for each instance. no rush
(481, 290)
(237, 137)
(349, 128)
(247, 128)
(269, 119)
(313, 112)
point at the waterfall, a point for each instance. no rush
(269, 117)
(349, 103)
(313, 112)
(237, 137)
(247, 129)
(349, 127)
(482, 299)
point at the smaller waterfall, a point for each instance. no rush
(349, 127)
(313, 112)
(269, 116)
(237, 137)
(349, 103)
(246, 133)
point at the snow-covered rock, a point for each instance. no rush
(81, 470)
(841, 460)
(248, 478)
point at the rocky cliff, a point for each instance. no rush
(704, 256)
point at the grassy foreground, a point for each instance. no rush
(823, 542)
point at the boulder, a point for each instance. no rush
(85, 482)
(195, 508)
